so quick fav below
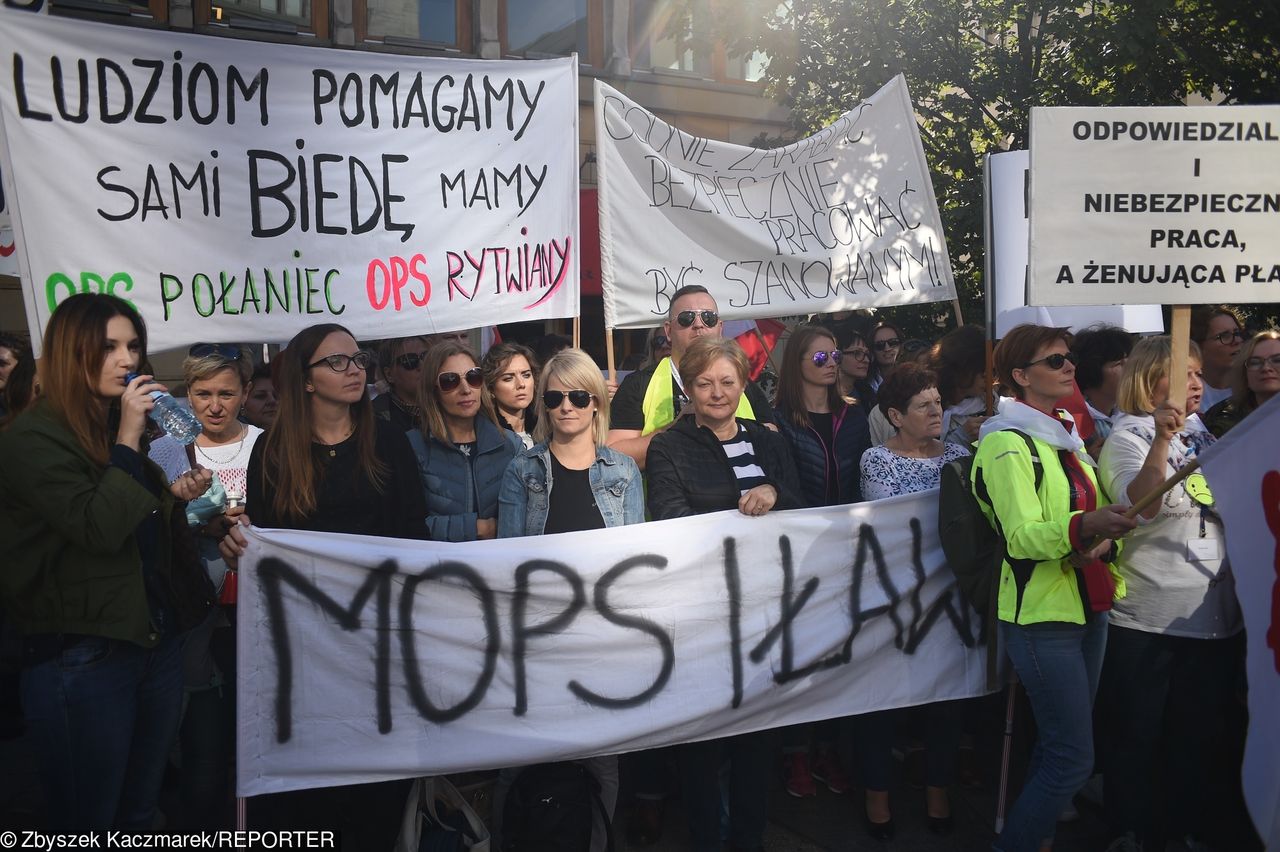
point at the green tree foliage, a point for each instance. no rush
(976, 67)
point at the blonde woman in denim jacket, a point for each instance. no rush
(567, 482)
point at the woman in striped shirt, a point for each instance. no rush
(708, 461)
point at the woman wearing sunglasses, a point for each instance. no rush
(1057, 582)
(571, 481)
(92, 578)
(709, 462)
(1255, 378)
(328, 464)
(886, 346)
(511, 374)
(827, 434)
(462, 452)
(1174, 649)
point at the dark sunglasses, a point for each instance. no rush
(858, 354)
(820, 358)
(227, 351)
(577, 398)
(1226, 338)
(339, 363)
(1055, 361)
(449, 381)
(661, 341)
(891, 343)
(709, 318)
(411, 360)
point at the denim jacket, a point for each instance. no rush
(460, 491)
(524, 499)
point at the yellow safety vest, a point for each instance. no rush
(659, 404)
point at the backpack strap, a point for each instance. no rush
(993, 603)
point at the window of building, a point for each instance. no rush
(287, 17)
(679, 36)
(157, 10)
(672, 36)
(536, 28)
(443, 23)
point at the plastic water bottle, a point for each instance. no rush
(173, 417)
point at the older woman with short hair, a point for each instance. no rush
(708, 461)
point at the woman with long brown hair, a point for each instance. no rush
(90, 576)
(462, 453)
(328, 465)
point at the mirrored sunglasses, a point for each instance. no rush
(820, 359)
(709, 318)
(577, 398)
(449, 381)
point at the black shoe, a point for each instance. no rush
(644, 828)
(878, 830)
(941, 825)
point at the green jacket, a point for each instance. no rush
(1037, 581)
(71, 563)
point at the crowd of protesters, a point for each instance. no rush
(122, 544)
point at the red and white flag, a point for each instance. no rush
(1247, 489)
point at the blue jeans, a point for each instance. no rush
(103, 715)
(1059, 665)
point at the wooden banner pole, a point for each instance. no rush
(608, 348)
(955, 306)
(577, 332)
(1180, 333)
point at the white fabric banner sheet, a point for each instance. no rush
(1247, 490)
(239, 191)
(367, 659)
(1155, 205)
(843, 219)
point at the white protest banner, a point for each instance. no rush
(1168, 205)
(1007, 246)
(1248, 496)
(843, 219)
(366, 659)
(241, 190)
(8, 244)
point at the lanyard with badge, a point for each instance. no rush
(1196, 487)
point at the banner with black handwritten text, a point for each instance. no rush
(239, 190)
(843, 219)
(366, 659)
(1164, 205)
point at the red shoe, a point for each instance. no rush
(827, 769)
(796, 776)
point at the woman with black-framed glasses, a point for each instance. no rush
(462, 452)
(328, 465)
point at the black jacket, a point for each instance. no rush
(852, 439)
(689, 474)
